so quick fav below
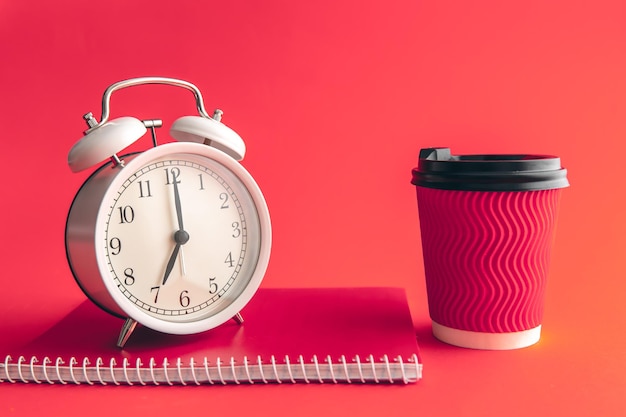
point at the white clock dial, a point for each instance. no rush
(180, 263)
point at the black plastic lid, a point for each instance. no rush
(438, 168)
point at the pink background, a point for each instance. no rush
(334, 100)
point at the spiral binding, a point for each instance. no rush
(218, 373)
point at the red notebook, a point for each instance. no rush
(319, 335)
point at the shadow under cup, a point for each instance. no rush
(487, 226)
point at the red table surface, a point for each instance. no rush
(334, 101)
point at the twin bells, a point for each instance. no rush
(104, 139)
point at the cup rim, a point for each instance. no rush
(439, 168)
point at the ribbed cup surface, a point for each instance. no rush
(486, 256)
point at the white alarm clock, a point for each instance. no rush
(176, 238)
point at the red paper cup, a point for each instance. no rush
(487, 225)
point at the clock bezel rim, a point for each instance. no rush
(129, 308)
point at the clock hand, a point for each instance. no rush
(181, 237)
(181, 255)
(170, 263)
(179, 211)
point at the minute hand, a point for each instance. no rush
(179, 211)
(180, 237)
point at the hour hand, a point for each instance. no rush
(170, 263)
(181, 237)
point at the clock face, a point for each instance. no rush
(180, 237)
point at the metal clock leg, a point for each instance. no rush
(238, 318)
(127, 329)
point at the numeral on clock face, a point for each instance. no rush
(144, 189)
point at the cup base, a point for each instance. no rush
(486, 341)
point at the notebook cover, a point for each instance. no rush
(321, 324)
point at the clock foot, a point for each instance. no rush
(238, 318)
(127, 329)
